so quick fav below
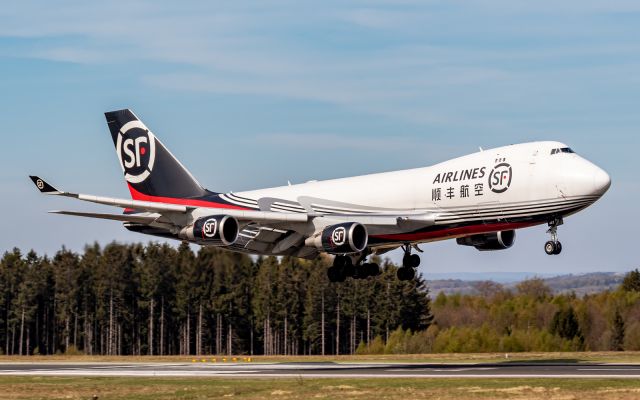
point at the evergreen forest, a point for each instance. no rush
(156, 299)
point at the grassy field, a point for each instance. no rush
(202, 388)
(597, 357)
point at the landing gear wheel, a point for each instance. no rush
(410, 260)
(340, 261)
(550, 248)
(414, 261)
(340, 270)
(333, 274)
(406, 274)
(373, 269)
(553, 247)
(361, 271)
(558, 248)
(349, 269)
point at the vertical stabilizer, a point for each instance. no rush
(151, 171)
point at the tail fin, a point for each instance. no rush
(150, 169)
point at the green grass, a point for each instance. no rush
(204, 388)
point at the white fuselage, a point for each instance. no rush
(520, 185)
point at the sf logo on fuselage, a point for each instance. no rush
(210, 228)
(339, 236)
(136, 148)
(500, 178)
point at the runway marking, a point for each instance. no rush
(127, 373)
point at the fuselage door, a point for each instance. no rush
(490, 212)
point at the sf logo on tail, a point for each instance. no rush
(133, 150)
(136, 148)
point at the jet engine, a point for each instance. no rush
(349, 237)
(489, 241)
(216, 230)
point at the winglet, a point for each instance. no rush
(43, 186)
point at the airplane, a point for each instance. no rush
(479, 200)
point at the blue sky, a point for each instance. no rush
(252, 94)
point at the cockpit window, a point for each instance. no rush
(562, 150)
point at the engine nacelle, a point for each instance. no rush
(489, 241)
(349, 237)
(216, 230)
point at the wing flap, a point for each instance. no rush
(141, 219)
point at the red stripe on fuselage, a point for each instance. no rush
(455, 232)
(183, 202)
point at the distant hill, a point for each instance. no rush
(495, 276)
(582, 284)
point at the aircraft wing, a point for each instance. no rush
(242, 215)
(270, 232)
(382, 220)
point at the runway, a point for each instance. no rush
(324, 370)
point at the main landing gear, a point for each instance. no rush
(344, 267)
(553, 247)
(354, 266)
(409, 263)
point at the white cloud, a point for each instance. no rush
(290, 49)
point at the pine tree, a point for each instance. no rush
(631, 281)
(618, 331)
(565, 324)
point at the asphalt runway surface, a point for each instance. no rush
(324, 370)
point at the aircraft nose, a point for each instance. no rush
(601, 181)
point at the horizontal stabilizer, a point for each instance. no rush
(141, 219)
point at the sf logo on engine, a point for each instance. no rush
(500, 178)
(136, 147)
(210, 228)
(339, 236)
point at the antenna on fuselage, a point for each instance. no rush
(481, 149)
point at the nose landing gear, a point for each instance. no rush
(553, 247)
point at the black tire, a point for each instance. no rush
(339, 261)
(550, 248)
(373, 269)
(411, 273)
(406, 261)
(558, 248)
(361, 271)
(414, 260)
(349, 270)
(406, 274)
(333, 274)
